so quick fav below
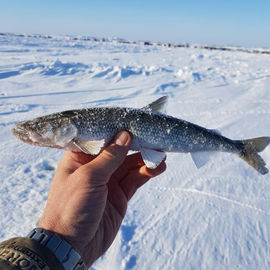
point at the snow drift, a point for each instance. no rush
(214, 218)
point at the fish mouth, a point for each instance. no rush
(23, 134)
(30, 136)
(18, 131)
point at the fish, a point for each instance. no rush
(154, 134)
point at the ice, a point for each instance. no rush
(216, 217)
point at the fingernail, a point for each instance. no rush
(121, 138)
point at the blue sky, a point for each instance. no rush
(244, 23)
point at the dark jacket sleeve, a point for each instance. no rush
(27, 254)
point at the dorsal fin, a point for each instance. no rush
(157, 106)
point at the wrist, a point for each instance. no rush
(66, 234)
(64, 252)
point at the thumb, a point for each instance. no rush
(108, 161)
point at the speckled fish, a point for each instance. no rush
(154, 133)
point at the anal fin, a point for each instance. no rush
(201, 158)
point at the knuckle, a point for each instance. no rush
(108, 154)
(113, 153)
(87, 171)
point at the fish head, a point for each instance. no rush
(48, 131)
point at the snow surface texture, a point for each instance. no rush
(217, 217)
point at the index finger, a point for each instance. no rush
(71, 161)
(133, 161)
(138, 177)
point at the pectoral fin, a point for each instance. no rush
(90, 147)
(152, 158)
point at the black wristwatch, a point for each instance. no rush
(64, 252)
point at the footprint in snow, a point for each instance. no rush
(45, 165)
(131, 262)
(128, 232)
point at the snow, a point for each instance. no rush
(216, 217)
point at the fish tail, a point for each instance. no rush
(250, 150)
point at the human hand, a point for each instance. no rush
(88, 197)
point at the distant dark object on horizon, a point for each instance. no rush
(148, 43)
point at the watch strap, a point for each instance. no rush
(64, 252)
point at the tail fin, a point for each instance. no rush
(250, 154)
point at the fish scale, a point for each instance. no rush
(154, 134)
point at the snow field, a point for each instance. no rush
(214, 218)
